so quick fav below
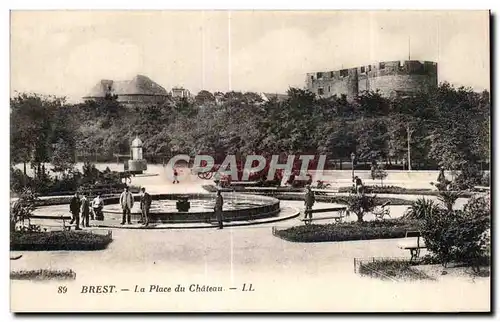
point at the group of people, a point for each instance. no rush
(127, 202)
(80, 205)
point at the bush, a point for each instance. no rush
(92, 180)
(58, 240)
(449, 198)
(390, 190)
(485, 180)
(421, 208)
(386, 229)
(333, 199)
(360, 204)
(470, 176)
(22, 209)
(458, 235)
(379, 173)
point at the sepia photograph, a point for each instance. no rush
(214, 161)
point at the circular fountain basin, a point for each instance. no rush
(236, 207)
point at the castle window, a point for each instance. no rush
(369, 68)
(328, 89)
(344, 73)
(332, 74)
(319, 75)
(320, 91)
(363, 69)
(312, 77)
(381, 66)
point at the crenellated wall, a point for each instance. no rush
(390, 78)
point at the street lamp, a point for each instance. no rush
(353, 156)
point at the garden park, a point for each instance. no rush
(422, 224)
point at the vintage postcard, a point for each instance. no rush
(250, 161)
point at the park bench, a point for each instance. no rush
(65, 226)
(341, 214)
(413, 243)
(383, 212)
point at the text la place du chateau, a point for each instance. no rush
(194, 288)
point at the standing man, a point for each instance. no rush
(358, 185)
(85, 211)
(309, 200)
(74, 208)
(126, 201)
(145, 205)
(218, 209)
(175, 176)
(217, 179)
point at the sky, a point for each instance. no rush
(65, 53)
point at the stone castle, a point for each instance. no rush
(391, 78)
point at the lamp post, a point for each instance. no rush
(409, 132)
(353, 156)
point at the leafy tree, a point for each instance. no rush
(31, 128)
(204, 97)
(63, 156)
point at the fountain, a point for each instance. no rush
(194, 208)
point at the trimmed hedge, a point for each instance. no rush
(43, 274)
(395, 190)
(386, 229)
(389, 189)
(95, 191)
(394, 269)
(340, 199)
(58, 240)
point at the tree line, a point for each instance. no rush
(447, 126)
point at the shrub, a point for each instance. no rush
(458, 235)
(70, 181)
(379, 173)
(390, 190)
(392, 228)
(18, 180)
(360, 204)
(58, 240)
(448, 198)
(470, 176)
(421, 208)
(485, 180)
(22, 209)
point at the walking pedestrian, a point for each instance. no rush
(85, 211)
(176, 180)
(145, 205)
(126, 201)
(309, 200)
(74, 208)
(219, 201)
